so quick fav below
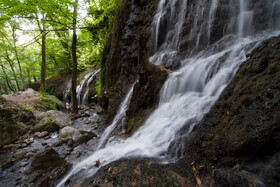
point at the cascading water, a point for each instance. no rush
(189, 93)
(118, 118)
(89, 81)
(82, 89)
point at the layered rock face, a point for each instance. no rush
(120, 59)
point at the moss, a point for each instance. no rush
(46, 124)
(24, 107)
(49, 102)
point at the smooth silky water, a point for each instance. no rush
(189, 92)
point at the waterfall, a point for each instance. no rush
(189, 92)
(82, 89)
(85, 96)
(118, 118)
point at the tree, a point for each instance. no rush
(75, 62)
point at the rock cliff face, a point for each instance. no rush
(121, 59)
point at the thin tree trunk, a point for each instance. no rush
(44, 55)
(29, 77)
(18, 61)
(5, 89)
(12, 68)
(0, 88)
(44, 63)
(7, 80)
(75, 63)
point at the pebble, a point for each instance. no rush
(42, 134)
(9, 146)
(23, 164)
(29, 154)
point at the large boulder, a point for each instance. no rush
(47, 167)
(14, 122)
(61, 118)
(46, 124)
(69, 133)
(48, 158)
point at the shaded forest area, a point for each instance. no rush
(41, 39)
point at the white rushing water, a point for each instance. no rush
(82, 89)
(118, 118)
(189, 92)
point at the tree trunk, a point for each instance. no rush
(75, 63)
(29, 77)
(44, 63)
(7, 80)
(13, 70)
(6, 91)
(44, 55)
(18, 61)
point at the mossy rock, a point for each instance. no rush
(46, 124)
(49, 102)
(14, 122)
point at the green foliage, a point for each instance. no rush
(98, 88)
(49, 102)
(21, 23)
(51, 90)
(2, 122)
(24, 107)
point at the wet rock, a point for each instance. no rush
(46, 124)
(61, 118)
(58, 143)
(8, 164)
(47, 167)
(48, 158)
(86, 136)
(69, 133)
(150, 82)
(20, 154)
